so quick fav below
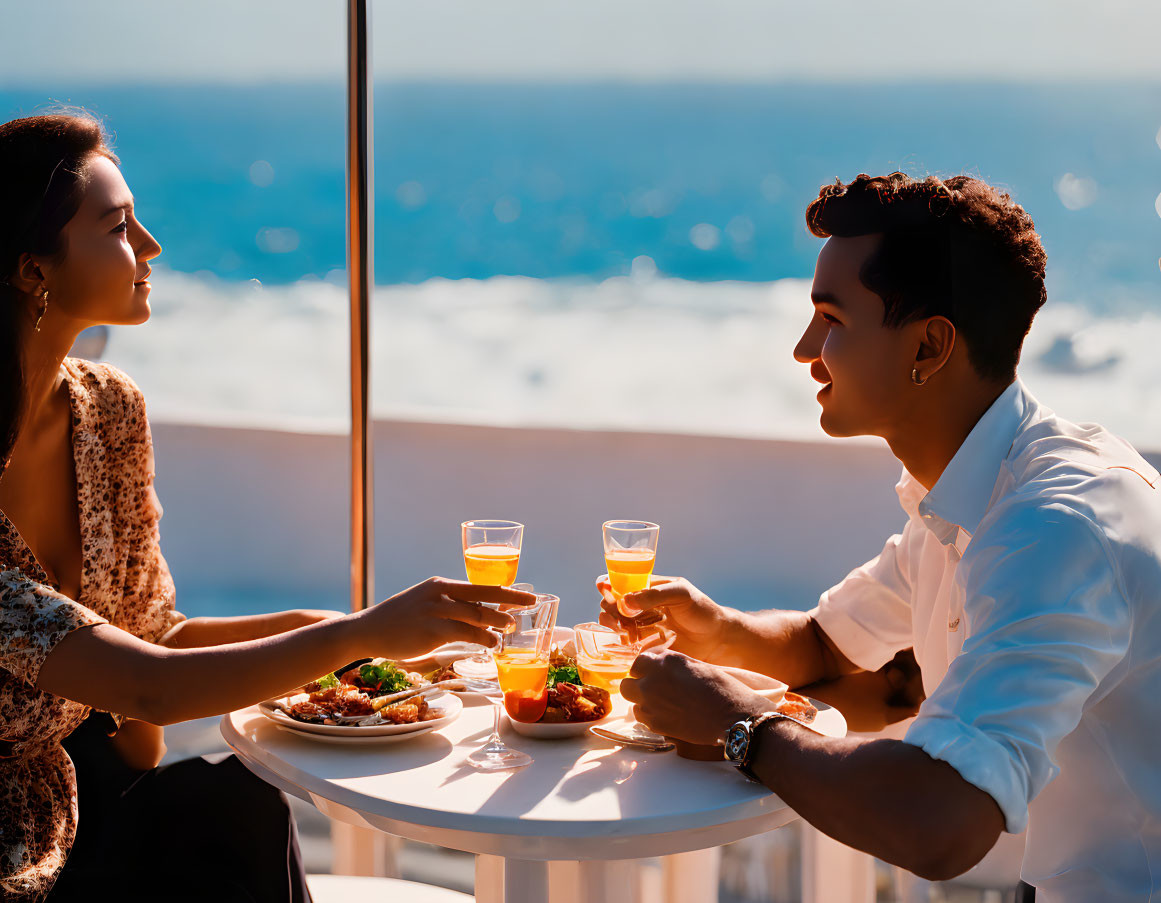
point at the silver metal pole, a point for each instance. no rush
(360, 268)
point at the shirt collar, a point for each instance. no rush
(961, 496)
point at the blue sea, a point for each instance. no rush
(577, 180)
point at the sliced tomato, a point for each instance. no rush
(525, 705)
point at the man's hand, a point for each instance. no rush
(688, 699)
(698, 624)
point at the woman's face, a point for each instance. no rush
(101, 277)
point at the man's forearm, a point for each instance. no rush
(885, 797)
(785, 645)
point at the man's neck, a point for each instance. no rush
(937, 428)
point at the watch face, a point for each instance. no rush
(737, 740)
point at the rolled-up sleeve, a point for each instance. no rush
(33, 619)
(1047, 621)
(868, 614)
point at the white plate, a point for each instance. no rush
(557, 731)
(381, 740)
(829, 721)
(447, 705)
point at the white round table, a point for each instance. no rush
(583, 800)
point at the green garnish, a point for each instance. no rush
(384, 677)
(563, 674)
(325, 683)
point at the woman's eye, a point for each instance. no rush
(123, 227)
(829, 318)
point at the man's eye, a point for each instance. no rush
(829, 318)
(122, 227)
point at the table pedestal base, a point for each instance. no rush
(685, 878)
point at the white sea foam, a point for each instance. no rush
(639, 352)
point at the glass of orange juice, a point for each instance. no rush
(630, 553)
(603, 656)
(492, 551)
(522, 661)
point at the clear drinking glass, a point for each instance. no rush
(522, 659)
(603, 656)
(630, 554)
(625, 647)
(479, 666)
(492, 551)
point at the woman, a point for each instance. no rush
(86, 599)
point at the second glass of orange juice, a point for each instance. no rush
(522, 658)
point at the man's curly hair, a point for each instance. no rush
(956, 248)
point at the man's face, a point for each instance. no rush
(864, 366)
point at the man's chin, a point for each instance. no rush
(835, 425)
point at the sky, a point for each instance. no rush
(116, 41)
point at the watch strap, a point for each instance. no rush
(755, 723)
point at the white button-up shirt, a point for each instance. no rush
(1028, 582)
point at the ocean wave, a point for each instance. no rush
(639, 353)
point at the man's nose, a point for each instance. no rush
(809, 347)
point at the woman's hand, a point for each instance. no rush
(435, 612)
(697, 622)
(688, 699)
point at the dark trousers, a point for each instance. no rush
(196, 830)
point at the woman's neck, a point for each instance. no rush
(44, 352)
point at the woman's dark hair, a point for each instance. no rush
(43, 177)
(956, 248)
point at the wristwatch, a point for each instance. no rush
(740, 742)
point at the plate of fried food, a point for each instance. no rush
(572, 707)
(372, 701)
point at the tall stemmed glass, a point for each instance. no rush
(492, 558)
(630, 555)
(522, 659)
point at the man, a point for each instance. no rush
(1026, 579)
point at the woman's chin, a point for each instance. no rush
(139, 311)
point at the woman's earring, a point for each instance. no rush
(915, 378)
(43, 308)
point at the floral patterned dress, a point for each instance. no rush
(124, 581)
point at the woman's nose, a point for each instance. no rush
(147, 247)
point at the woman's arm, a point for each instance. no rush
(196, 632)
(112, 670)
(140, 745)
